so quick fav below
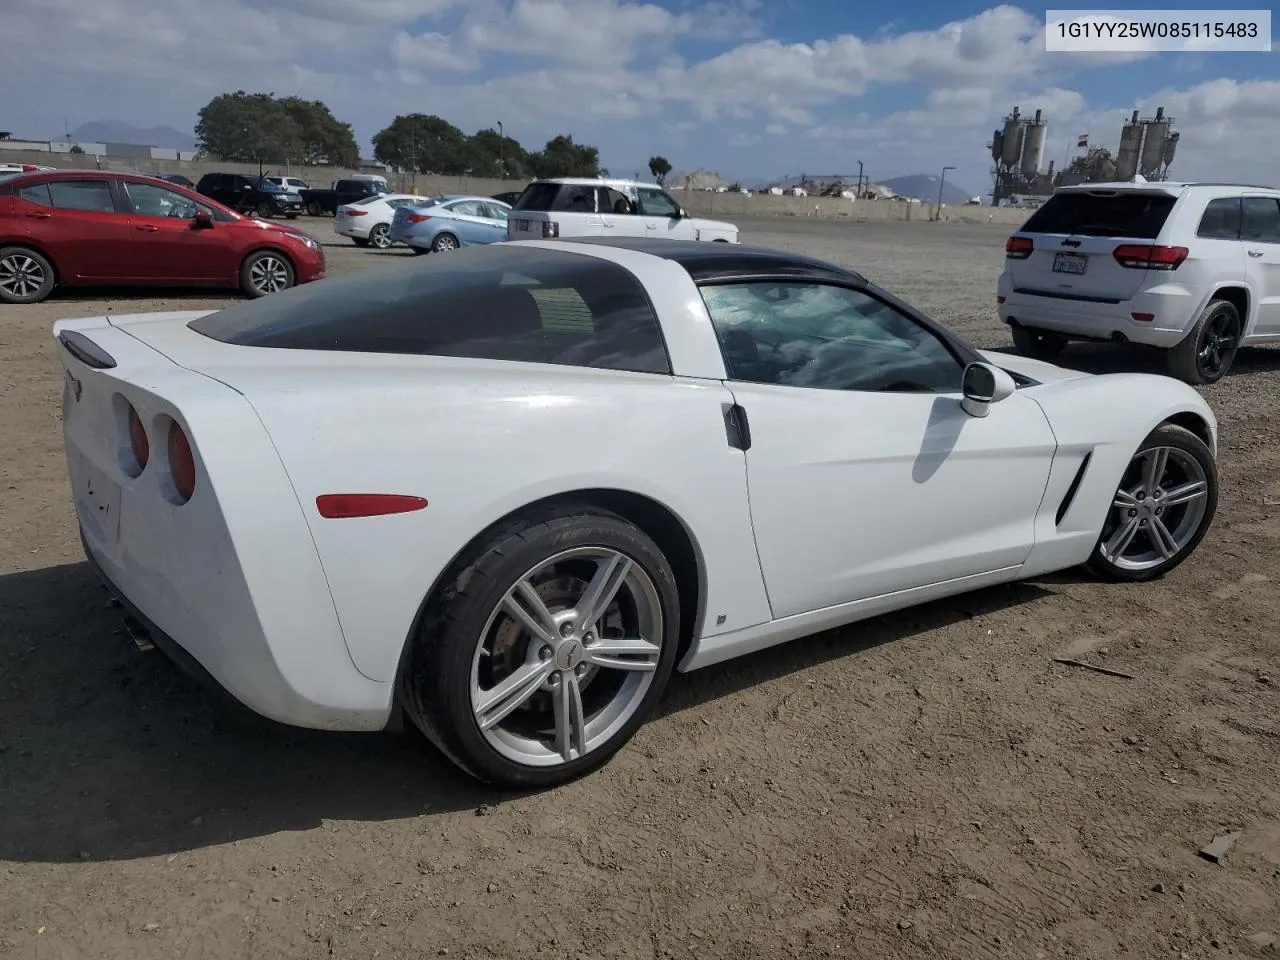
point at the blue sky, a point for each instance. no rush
(749, 88)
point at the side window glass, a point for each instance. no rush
(92, 196)
(38, 194)
(826, 337)
(655, 203)
(492, 211)
(1221, 220)
(577, 199)
(152, 201)
(1260, 219)
(467, 208)
(609, 200)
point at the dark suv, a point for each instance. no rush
(248, 194)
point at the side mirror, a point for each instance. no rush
(202, 218)
(246, 186)
(983, 385)
(681, 214)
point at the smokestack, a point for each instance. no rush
(1051, 163)
(1159, 113)
(1135, 117)
(1038, 116)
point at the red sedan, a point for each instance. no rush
(96, 228)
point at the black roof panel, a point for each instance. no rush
(718, 261)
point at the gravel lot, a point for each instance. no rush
(925, 784)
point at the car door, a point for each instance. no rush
(661, 215)
(80, 225)
(168, 246)
(467, 222)
(1260, 232)
(866, 476)
(619, 214)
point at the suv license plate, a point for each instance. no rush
(1070, 263)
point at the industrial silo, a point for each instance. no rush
(1011, 146)
(1033, 147)
(1130, 148)
(1170, 146)
(1153, 146)
(997, 145)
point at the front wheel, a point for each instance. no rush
(264, 211)
(265, 272)
(1207, 352)
(546, 651)
(1162, 509)
(1038, 344)
(25, 276)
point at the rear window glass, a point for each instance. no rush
(493, 302)
(1140, 215)
(558, 197)
(1221, 220)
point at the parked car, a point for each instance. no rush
(516, 487)
(447, 223)
(91, 228)
(367, 222)
(177, 178)
(572, 207)
(320, 202)
(1190, 268)
(290, 184)
(246, 194)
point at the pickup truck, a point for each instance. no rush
(320, 202)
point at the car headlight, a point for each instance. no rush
(304, 239)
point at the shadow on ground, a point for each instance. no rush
(107, 753)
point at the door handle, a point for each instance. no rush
(39, 216)
(146, 228)
(1255, 253)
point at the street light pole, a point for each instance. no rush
(502, 163)
(859, 179)
(937, 212)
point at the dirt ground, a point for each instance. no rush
(925, 784)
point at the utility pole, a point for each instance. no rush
(937, 213)
(859, 195)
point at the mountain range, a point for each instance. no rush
(117, 131)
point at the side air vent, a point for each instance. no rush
(1071, 490)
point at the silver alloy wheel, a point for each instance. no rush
(21, 275)
(269, 275)
(1157, 510)
(565, 659)
(445, 242)
(380, 236)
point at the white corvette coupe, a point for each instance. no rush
(507, 492)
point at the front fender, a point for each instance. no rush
(1104, 418)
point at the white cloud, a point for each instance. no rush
(430, 51)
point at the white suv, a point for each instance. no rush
(570, 207)
(1190, 268)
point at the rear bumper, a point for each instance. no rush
(351, 229)
(1171, 308)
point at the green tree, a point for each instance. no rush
(496, 157)
(561, 157)
(423, 143)
(76, 149)
(249, 127)
(324, 138)
(659, 167)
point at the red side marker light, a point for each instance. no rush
(1143, 317)
(334, 506)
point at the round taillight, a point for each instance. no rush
(182, 465)
(138, 439)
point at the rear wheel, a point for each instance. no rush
(380, 236)
(314, 209)
(547, 650)
(1162, 509)
(265, 272)
(1040, 344)
(25, 276)
(1207, 352)
(444, 242)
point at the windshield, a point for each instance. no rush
(266, 186)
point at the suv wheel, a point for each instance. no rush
(1207, 352)
(1039, 344)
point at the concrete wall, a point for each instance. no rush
(700, 203)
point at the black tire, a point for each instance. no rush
(1038, 344)
(435, 684)
(1194, 360)
(20, 268)
(441, 243)
(380, 236)
(248, 273)
(314, 209)
(1167, 435)
(360, 241)
(264, 211)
